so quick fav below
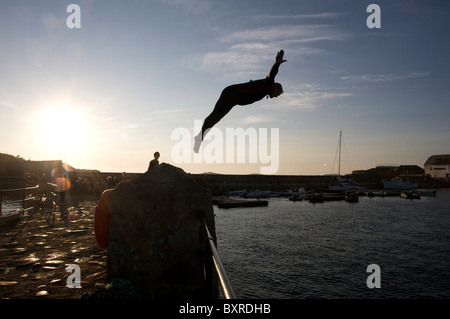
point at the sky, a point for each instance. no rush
(107, 94)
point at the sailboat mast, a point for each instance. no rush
(339, 164)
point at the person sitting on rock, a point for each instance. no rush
(154, 162)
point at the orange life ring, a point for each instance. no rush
(101, 220)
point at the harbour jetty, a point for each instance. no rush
(227, 202)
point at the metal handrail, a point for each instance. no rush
(24, 198)
(18, 189)
(224, 281)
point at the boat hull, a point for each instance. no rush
(9, 217)
(342, 187)
(398, 185)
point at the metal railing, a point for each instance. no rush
(225, 283)
(48, 193)
(48, 199)
(29, 197)
(19, 196)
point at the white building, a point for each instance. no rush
(438, 167)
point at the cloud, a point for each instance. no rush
(256, 119)
(286, 32)
(385, 77)
(324, 15)
(251, 52)
(235, 58)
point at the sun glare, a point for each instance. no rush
(61, 129)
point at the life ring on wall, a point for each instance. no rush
(101, 220)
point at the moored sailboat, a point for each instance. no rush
(339, 183)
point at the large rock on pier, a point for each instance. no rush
(156, 238)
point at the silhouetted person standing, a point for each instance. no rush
(242, 94)
(154, 162)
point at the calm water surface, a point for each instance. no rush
(302, 250)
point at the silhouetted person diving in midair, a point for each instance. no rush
(242, 94)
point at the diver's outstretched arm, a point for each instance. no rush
(274, 70)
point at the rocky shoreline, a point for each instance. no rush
(36, 250)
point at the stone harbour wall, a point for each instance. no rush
(156, 238)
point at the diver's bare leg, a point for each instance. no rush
(220, 110)
(210, 121)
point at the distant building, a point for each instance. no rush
(410, 170)
(438, 167)
(15, 171)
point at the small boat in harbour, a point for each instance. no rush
(352, 197)
(398, 183)
(237, 193)
(370, 194)
(332, 197)
(426, 193)
(343, 186)
(315, 198)
(296, 197)
(257, 194)
(410, 195)
(9, 217)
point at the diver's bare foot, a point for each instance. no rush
(198, 142)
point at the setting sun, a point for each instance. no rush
(61, 128)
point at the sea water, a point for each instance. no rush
(302, 250)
